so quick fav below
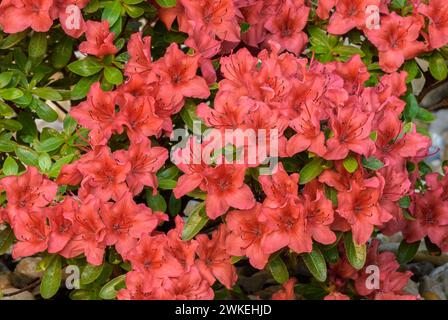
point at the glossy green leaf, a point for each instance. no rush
(438, 67)
(195, 222)
(278, 269)
(10, 124)
(350, 164)
(62, 53)
(315, 262)
(372, 163)
(112, 12)
(113, 75)
(6, 240)
(5, 78)
(356, 254)
(10, 167)
(10, 93)
(51, 279)
(90, 273)
(47, 93)
(27, 156)
(155, 202)
(166, 3)
(407, 251)
(109, 290)
(311, 170)
(86, 67)
(38, 45)
(50, 144)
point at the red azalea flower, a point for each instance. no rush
(32, 233)
(349, 14)
(225, 188)
(139, 117)
(218, 16)
(214, 261)
(188, 286)
(104, 177)
(16, 16)
(100, 41)
(287, 25)
(360, 207)
(351, 128)
(89, 233)
(60, 218)
(280, 188)
(98, 114)
(126, 222)
(28, 191)
(145, 162)
(287, 229)
(139, 62)
(437, 12)
(150, 256)
(396, 40)
(245, 235)
(308, 135)
(178, 71)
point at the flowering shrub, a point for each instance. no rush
(94, 186)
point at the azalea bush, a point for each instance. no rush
(93, 179)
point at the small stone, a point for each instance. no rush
(25, 295)
(29, 267)
(5, 282)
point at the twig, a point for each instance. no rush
(32, 285)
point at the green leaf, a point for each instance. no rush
(113, 75)
(195, 222)
(10, 124)
(407, 216)
(12, 40)
(411, 67)
(83, 294)
(81, 89)
(155, 202)
(166, 3)
(167, 184)
(10, 93)
(407, 251)
(69, 125)
(27, 156)
(331, 254)
(133, 1)
(62, 53)
(438, 67)
(86, 67)
(372, 163)
(5, 78)
(44, 111)
(51, 279)
(90, 273)
(134, 11)
(170, 173)
(112, 12)
(350, 164)
(315, 262)
(7, 145)
(10, 167)
(244, 27)
(47, 93)
(405, 202)
(411, 108)
(49, 144)
(356, 254)
(188, 114)
(6, 110)
(425, 115)
(318, 37)
(56, 168)
(278, 270)
(6, 240)
(109, 290)
(38, 45)
(44, 162)
(174, 205)
(311, 170)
